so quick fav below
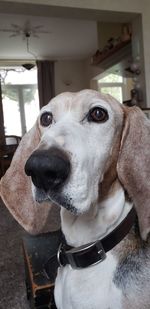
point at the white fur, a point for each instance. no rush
(96, 223)
(88, 144)
(92, 287)
(89, 147)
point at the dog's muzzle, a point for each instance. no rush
(49, 169)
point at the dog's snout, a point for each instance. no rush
(49, 169)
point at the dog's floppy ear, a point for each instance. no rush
(134, 164)
(15, 189)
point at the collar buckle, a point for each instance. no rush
(83, 256)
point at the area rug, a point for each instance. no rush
(12, 283)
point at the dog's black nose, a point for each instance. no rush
(48, 169)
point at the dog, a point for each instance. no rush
(92, 160)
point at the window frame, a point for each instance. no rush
(19, 88)
(113, 85)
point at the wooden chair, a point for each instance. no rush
(36, 251)
(12, 139)
(7, 151)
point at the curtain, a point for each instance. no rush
(46, 87)
(2, 131)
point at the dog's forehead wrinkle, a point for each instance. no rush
(81, 97)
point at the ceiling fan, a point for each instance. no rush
(27, 30)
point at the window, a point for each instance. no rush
(112, 84)
(20, 99)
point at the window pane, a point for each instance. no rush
(31, 105)
(111, 78)
(20, 99)
(20, 76)
(11, 112)
(116, 92)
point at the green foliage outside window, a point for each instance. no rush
(11, 92)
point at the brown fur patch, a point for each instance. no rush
(15, 189)
(111, 173)
(134, 164)
(131, 244)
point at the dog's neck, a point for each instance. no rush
(99, 221)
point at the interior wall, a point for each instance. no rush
(127, 87)
(106, 31)
(75, 75)
(91, 72)
(70, 76)
(138, 53)
(146, 44)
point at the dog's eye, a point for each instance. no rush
(98, 114)
(46, 119)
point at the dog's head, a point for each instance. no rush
(80, 137)
(83, 142)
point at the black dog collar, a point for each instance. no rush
(95, 252)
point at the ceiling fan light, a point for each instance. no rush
(28, 66)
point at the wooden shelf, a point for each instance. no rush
(112, 56)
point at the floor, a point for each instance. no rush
(12, 286)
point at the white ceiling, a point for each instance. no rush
(68, 38)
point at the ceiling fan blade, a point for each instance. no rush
(6, 30)
(44, 32)
(38, 27)
(27, 25)
(35, 35)
(17, 27)
(14, 35)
